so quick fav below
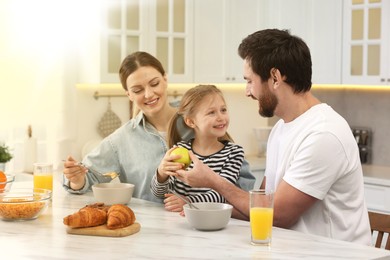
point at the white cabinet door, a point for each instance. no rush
(366, 42)
(219, 27)
(318, 23)
(160, 27)
(377, 197)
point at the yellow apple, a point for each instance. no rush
(185, 157)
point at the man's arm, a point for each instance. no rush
(202, 176)
(289, 205)
(289, 202)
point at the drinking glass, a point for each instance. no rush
(43, 176)
(261, 216)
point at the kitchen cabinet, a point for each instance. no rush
(366, 42)
(377, 187)
(377, 197)
(162, 28)
(219, 27)
(318, 23)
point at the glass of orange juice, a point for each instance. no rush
(43, 176)
(261, 216)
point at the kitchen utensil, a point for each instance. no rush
(43, 176)
(109, 122)
(24, 203)
(209, 215)
(112, 175)
(184, 199)
(113, 193)
(6, 183)
(104, 231)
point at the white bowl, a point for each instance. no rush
(113, 193)
(209, 216)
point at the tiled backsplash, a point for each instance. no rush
(364, 109)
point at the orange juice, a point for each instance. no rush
(261, 223)
(43, 181)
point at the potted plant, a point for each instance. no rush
(5, 156)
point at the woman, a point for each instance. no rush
(136, 148)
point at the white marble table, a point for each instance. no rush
(163, 235)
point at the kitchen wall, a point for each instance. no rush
(360, 107)
(243, 113)
(363, 107)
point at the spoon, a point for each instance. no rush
(184, 199)
(112, 175)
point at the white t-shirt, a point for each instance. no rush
(317, 154)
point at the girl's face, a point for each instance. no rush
(211, 118)
(147, 89)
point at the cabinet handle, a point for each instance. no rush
(227, 78)
(235, 78)
(388, 80)
(383, 80)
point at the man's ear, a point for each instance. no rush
(276, 77)
(274, 73)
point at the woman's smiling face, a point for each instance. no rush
(147, 88)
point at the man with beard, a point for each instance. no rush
(313, 163)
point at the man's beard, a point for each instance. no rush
(267, 104)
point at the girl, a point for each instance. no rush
(135, 149)
(203, 109)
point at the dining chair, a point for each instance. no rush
(381, 223)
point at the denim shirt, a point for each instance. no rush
(135, 150)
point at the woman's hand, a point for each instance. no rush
(74, 173)
(168, 166)
(173, 203)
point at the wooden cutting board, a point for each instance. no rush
(104, 231)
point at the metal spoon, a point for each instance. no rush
(184, 199)
(112, 175)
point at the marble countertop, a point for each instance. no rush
(163, 235)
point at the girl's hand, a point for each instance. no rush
(168, 166)
(173, 203)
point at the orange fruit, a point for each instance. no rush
(3, 180)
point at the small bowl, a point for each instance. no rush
(209, 216)
(113, 193)
(6, 185)
(23, 204)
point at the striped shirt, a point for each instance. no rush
(226, 162)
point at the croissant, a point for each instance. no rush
(86, 217)
(119, 216)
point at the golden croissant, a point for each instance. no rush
(88, 216)
(119, 216)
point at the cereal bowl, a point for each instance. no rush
(5, 184)
(23, 204)
(113, 193)
(209, 216)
